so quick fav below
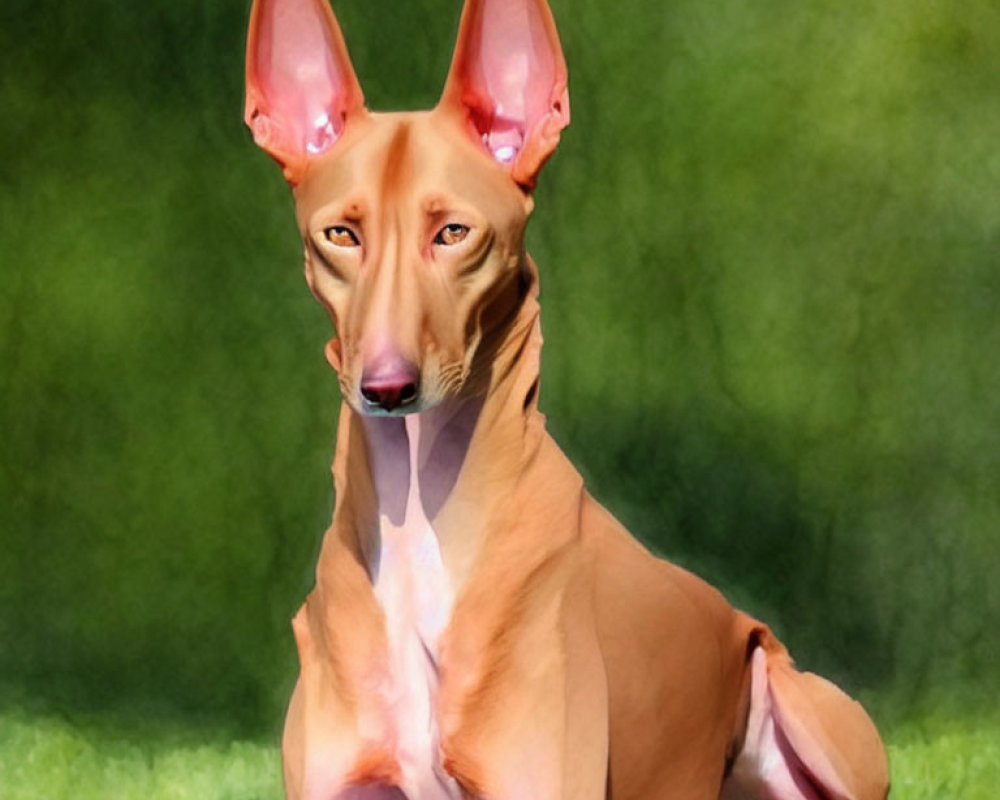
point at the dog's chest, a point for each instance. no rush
(416, 595)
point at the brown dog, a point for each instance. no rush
(480, 626)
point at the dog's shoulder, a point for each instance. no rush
(670, 618)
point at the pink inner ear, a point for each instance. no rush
(300, 84)
(516, 73)
(509, 76)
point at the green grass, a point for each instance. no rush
(943, 759)
(49, 758)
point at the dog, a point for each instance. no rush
(480, 627)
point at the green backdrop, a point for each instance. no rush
(770, 252)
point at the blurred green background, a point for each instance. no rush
(770, 253)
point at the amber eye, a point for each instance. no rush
(451, 234)
(341, 236)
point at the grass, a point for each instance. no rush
(945, 759)
(49, 758)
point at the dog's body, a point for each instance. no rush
(480, 626)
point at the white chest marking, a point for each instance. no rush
(416, 595)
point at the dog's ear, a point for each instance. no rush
(508, 76)
(300, 82)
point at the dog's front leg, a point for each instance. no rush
(529, 718)
(338, 742)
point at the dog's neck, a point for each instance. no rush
(447, 466)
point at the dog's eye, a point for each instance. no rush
(451, 234)
(341, 236)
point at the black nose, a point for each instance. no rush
(390, 384)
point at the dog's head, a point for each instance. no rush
(413, 223)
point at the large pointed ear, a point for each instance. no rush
(508, 76)
(300, 82)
